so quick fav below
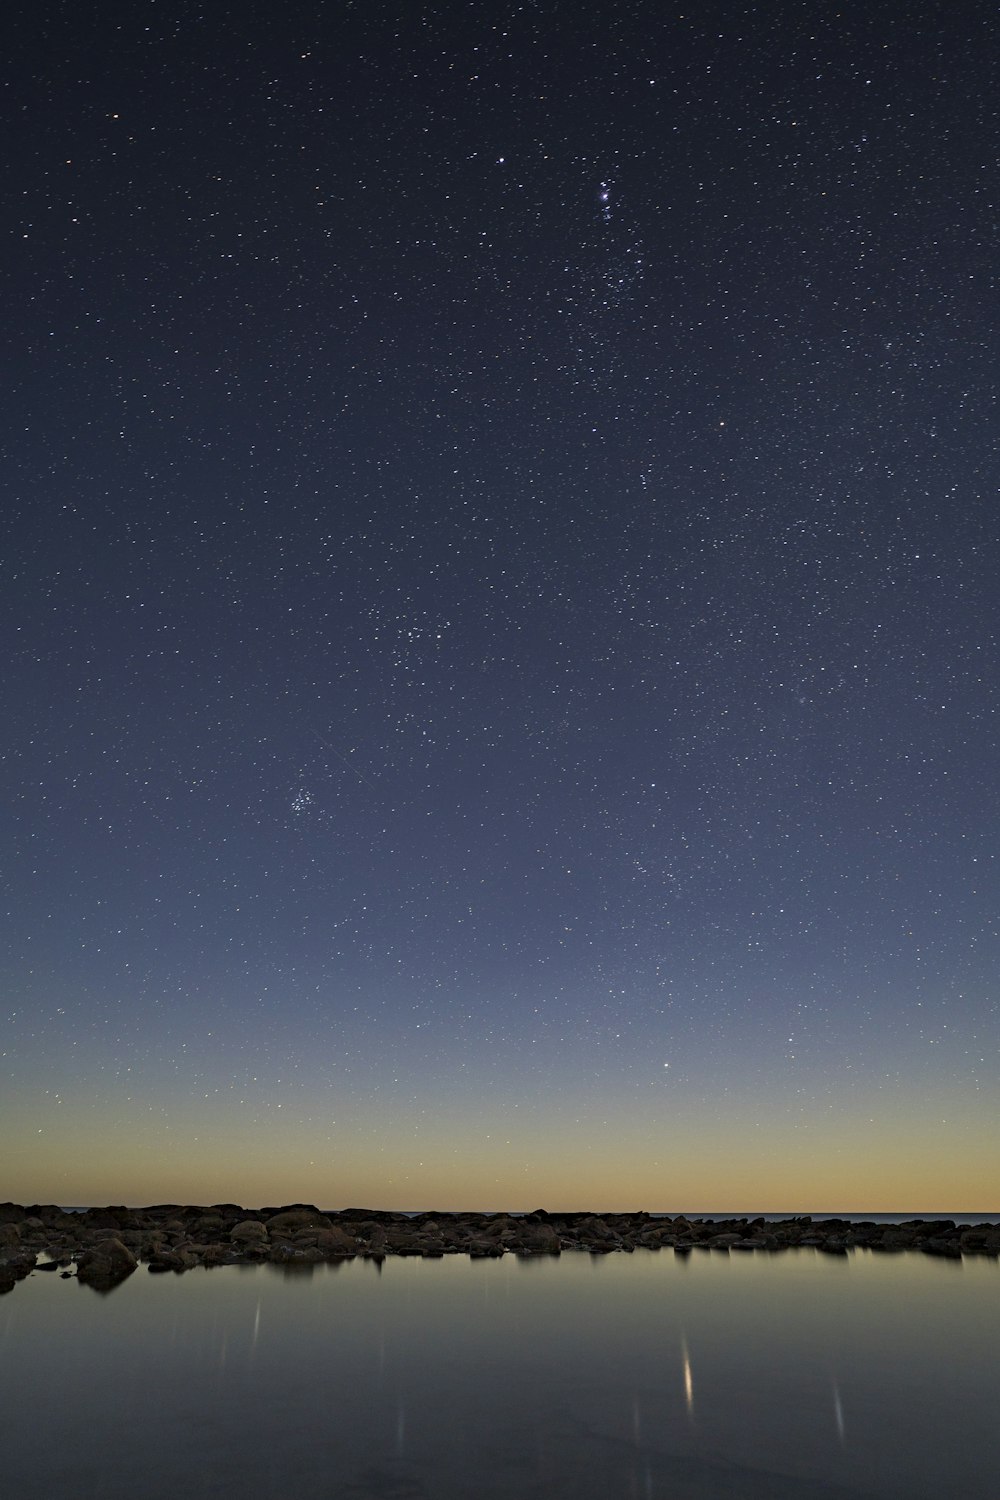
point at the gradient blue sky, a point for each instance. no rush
(499, 589)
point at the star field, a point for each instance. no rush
(499, 587)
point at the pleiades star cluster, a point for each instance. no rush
(500, 606)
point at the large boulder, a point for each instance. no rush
(106, 1263)
(538, 1239)
(14, 1267)
(297, 1218)
(334, 1241)
(595, 1234)
(248, 1232)
(115, 1216)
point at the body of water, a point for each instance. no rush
(650, 1376)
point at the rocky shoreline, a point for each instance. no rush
(102, 1246)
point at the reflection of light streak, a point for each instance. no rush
(256, 1326)
(400, 1426)
(838, 1413)
(688, 1382)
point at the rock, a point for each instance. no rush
(106, 1263)
(592, 1233)
(948, 1249)
(283, 1254)
(538, 1239)
(165, 1260)
(172, 1236)
(116, 1216)
(214, 1255)
(980, 1239)
(483, 1249)
(14, 1267)
(297, 1218)
(335, 1242)
(249, 1232)
(898, 1237)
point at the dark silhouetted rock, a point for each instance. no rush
(296, 1218)
(106, 1263)
(249, 1232)
(947, 1249)
(14, 1267)
(334, 1241)
(538, 1239)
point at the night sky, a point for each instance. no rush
(500, 605)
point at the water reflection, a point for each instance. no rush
(838, 1412)
(453, 1378)
(688, 1381)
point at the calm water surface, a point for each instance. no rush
(645, 1376)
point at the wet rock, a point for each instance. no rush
(106, 1263)
(189, 1256)
(14, 1267)
(376, 1239)
(165, 1260)
(335, 1242)
(947, 1249)
(538, 1239)
(597, 1236)
(898, 1237)
(980, 1239)
(403, 1239)
(10, 1234)
(283, 1254)
(213, 1255)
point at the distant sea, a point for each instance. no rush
(854, 1218)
